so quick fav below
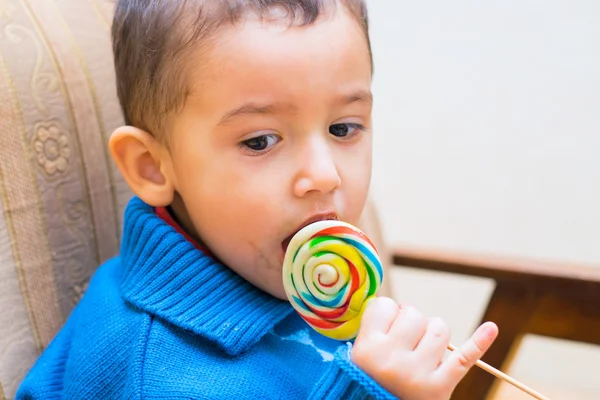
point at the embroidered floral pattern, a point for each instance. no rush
(52, 149)
(79, 291)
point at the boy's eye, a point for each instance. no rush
(344, 130)
(261, 143)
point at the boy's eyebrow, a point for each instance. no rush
(358, 96)
(254, 108)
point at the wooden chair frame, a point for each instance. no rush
(559, 300)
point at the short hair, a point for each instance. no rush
(153, 39)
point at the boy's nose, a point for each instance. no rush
(318, 171)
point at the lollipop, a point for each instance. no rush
(330, 271)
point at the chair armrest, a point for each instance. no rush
(537, 273)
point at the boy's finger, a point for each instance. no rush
(379, 316)
(462, 359)
(434, 343)
(409, 328)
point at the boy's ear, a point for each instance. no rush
(142, 161)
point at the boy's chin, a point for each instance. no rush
(278, 292)
(281, 297)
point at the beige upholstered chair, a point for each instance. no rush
(61, 197)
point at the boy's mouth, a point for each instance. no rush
(326, 216)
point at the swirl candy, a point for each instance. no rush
(330, 271)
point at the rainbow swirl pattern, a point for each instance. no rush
(330, 271)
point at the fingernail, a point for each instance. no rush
(490, 329)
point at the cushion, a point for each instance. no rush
(61, 198)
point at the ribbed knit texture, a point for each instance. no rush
(165, 321)
(168, 277)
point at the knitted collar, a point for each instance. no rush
(166, 216)
(166, 276)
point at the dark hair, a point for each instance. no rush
(152, 40)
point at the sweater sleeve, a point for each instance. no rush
(46, 378)
(344, 380)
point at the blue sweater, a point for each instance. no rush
(163, 320)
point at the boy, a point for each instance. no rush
(247, 120)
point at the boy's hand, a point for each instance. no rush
(403, 351)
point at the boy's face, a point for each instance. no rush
(275, 134)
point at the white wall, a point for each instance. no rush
(487, 123)
(487, 126)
